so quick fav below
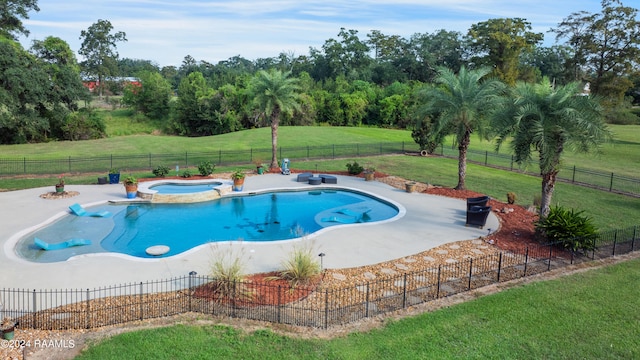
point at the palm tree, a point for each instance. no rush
(275, 93)
(546, 119)
(461, 103)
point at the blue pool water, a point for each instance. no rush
(261, 217)
(175, 188)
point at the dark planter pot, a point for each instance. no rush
(59, 188)
(114, 178)
(260, 170)
(7, 333)
(102, 180)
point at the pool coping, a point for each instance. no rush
(428, 221)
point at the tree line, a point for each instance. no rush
(351, 80)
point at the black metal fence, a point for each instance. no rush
(312, 306)
(10, 167)
(221, 157)
(597, 179)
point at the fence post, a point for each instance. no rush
(334, 151)
(470, 273)
(500, 265)
(88, 312)
(191, 273)
(308, 151)
(24, 165)
(511, 166)
(526, 260)
(611, 183)
(573, 176)
(34, 311)
(549, 263)
(615, 240)
(111, 161)
(279, 303)
(141, 304)
(366, 308)
(438, 282)
(633, 239)
(404, 292)
(403, 147)
(326, 308)
(486, 157)
(69, 163)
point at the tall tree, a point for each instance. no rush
(606, 46)
(10, 14)
(461, 103)
(498, 43)
(99, 50)
(539, 118)
(151, 96)
(275, 93)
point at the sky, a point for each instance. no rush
(165, 31)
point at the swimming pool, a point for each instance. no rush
(268, 216)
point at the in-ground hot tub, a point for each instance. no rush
(183, 191)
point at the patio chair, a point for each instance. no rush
(80, 211)
(477, 216)
(477, 201)
(63, 245)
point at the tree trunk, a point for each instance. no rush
(275, 120)
(548, 183)
(462, 159)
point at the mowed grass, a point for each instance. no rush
(589, 315)
(620, 156)
(582, 316)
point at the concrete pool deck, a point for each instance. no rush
(426, 222)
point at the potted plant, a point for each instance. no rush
(60, 184)
(131, 186)
(369, 173)
(259, 166)
(7, 328)
(410, 186)
(114, 176)
(238, 180)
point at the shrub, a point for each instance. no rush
(161, 171)
(206, 168)
(228, 271)
(568, 227)
(301, 266)
(354, 168)
(186, 173)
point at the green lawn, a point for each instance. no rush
(591, 315)
(583, 316)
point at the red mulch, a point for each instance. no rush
(263, 289)
(517, 228)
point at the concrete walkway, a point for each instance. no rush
(424, 222)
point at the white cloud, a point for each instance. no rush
(166, 31)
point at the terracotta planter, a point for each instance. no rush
(369, 176)
(132, 190)
(238, 184)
